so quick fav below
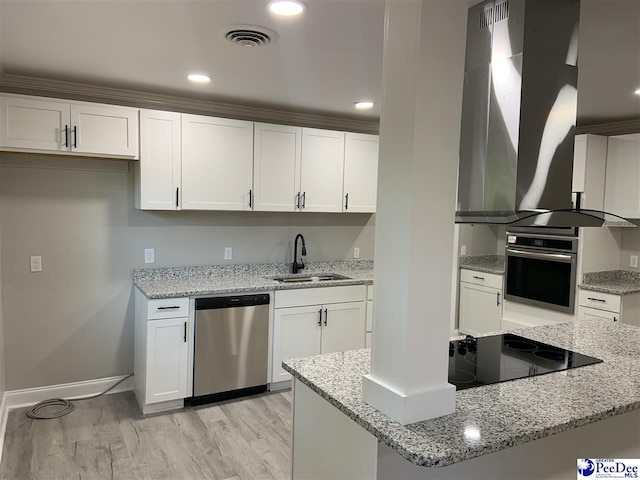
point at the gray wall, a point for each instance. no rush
(74, 320)
(480, 239)
(629, 245)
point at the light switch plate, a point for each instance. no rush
(356, 252)
(633, 261)
(228, 253)
(463, 250)
(149, 255)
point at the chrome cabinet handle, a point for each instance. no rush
(75, 136)
(298, 201)
(478, 278)
(325, 317)
(304, 199)
(173, 307)
(320, 317)
(497, 299)
(346, 202)
(177, 192)
(185, 332)
(66, 136)
(250, 198)
(615, 319)
(596, 299)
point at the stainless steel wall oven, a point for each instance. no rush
(541, 269)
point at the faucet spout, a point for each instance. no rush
(296, 266)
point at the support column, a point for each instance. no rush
(423, 71)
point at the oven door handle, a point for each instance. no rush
(554, 257)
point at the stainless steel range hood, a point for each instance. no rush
(519, 112)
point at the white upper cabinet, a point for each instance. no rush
(42, 125)
(34, 124)
(622, 190)
(360, 173)
(104, 130)
(217, 163)
(322, 170)
(159, 169)
(277, 151)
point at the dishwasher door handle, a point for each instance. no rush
(185, 332)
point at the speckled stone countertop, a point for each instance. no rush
(483, 263)
(217, 279)
(504, 414)
(617, 282)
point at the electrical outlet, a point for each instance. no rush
(463, 250)
(356, 252)
(633, 261)
(228, 253)
(149, 255)
(36, 263)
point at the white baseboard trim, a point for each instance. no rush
(70, 391)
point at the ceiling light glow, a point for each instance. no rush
(364, 105)
(637, 91)
(199, 78)
(286, 8)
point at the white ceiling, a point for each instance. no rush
(322, 63)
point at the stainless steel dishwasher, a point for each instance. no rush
(231, 347)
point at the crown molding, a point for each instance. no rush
(623, 127)
(26, 85)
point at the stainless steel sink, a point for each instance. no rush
(311, 278)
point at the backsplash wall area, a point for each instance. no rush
(629, 245)
(74, 320)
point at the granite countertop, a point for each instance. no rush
(483, 263)
(617, 282)
(216, 279)
(505, 414)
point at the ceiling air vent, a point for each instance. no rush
(250, 36)
(498, 12)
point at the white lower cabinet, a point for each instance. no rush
(480, 302)
(161, 353)
(316, 327)
(609, 307)
(369, 323)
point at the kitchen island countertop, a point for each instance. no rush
(495, 417)
(194, 281)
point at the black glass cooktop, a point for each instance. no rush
(499, 358)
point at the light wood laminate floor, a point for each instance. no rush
(108, 437)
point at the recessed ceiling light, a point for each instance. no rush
(637, 92)
(364, 105)
(286, 8)
(199, 78)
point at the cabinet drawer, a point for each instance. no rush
(319, 296)
(600, 301)
(168, 308)
(369, 292)
(481, 278)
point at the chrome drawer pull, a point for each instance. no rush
(169, 308)
(597, 299)
(478, 278)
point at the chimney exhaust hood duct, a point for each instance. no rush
(519, 115)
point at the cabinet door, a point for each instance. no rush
(34, 124)
(343, 327)
(104, 130)
(296, 333)
(480, 309)
(166, 359)
(360, 173)
(217, 163)
(276, 167)
(322, 170)
(586, 313)
(159, 169)
(622, 188)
